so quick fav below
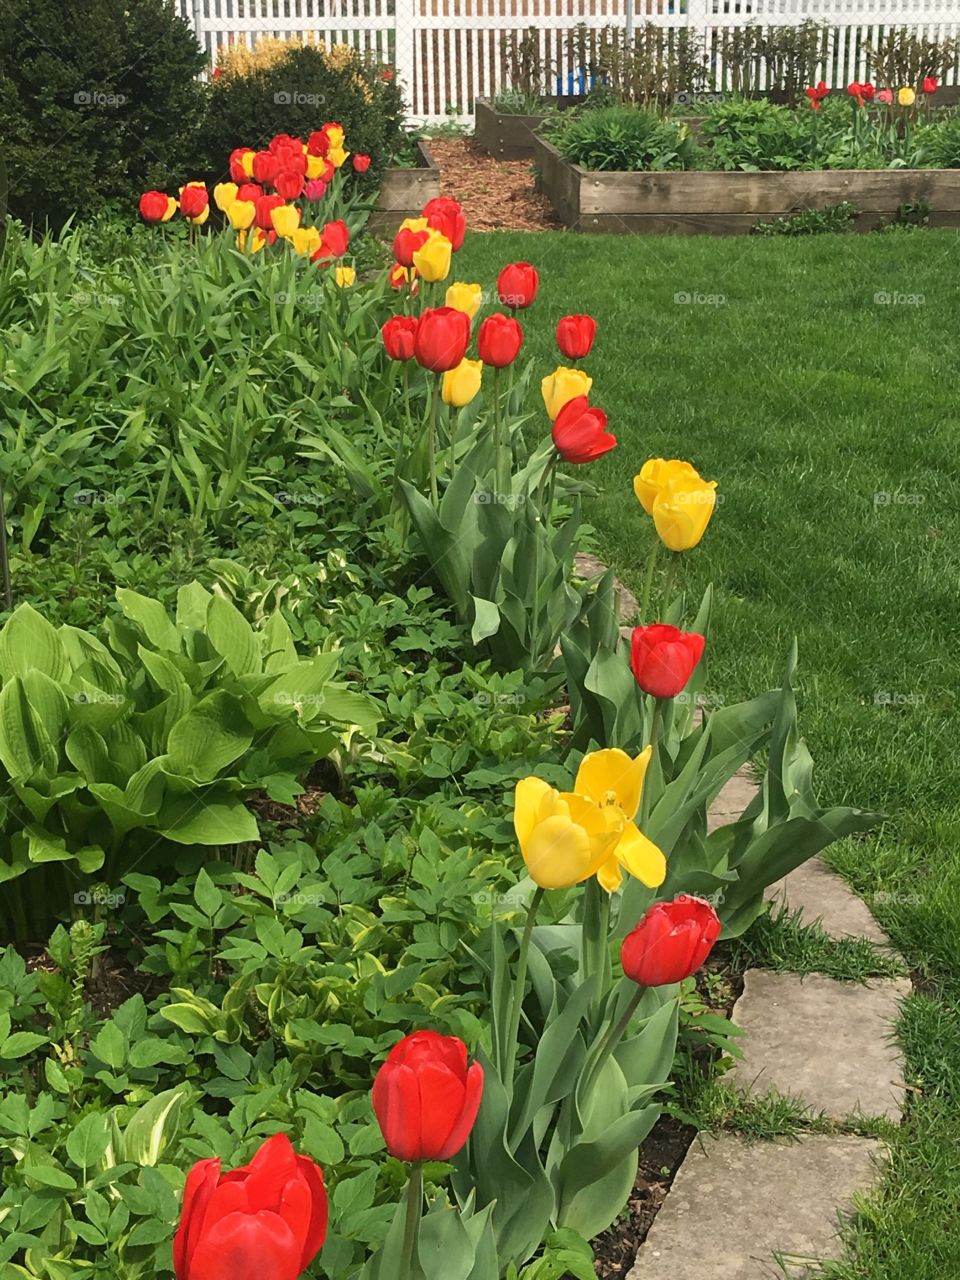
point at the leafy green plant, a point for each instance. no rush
(757, 134)
(810, 222)
(151, 742)
(621, 139)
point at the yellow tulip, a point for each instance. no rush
(316, 166)
(337, 157)
(201, 218)
(562, 386)
(335, 136)
(433, 259)
(285, 219)
(467, 298)
(906, 97)
(656, 474)
(461, 384)
(306, 240)
(172, 207)
(345, 276)
(610, 779)
(415, 224)
(564, 838)
(682, 512)
(246, 161)
(241, 214)
(224, 194)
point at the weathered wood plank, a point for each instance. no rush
(404, 189)
(506, 136)
(721, 224)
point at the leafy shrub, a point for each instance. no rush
(297, 91)
(751, 135)
(111, 110)
(810, 222)
(939, 142)
(161, 730)
(623, 139)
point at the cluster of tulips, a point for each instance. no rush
(260, 200)
(862, 93)
(269, 1218)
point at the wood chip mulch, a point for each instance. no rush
(497, 195)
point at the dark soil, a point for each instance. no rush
(497, 195)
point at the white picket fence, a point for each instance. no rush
(447, 53)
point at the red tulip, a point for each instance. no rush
(406, 243)
(336, 237)
(818, 92)
(580, 432)
(264, 1221)
(399, 335)
(671, 942)
(237, 172)
(318, 144)
(885, 96)
(361, 163)
(249, 191)
(265, 206)
(867, 91)
(930, 84)
(153, 206)
(575, 335)
(443, 336)
(445, 215)
(315, 189)
(426, 1097)
(402, 277)
(289, 184)
(499, 340)
(518, 285)
(264, 166)
(193, 201)
(663, 658)
(284, 142)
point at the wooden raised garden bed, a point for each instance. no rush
(404, 192)
(695, 201)
(504, 135)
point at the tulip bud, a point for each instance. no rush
(461, 384)
(467, 298)
(580, 432)
(671, 942)
(562, 386)
(442, 338)
(663, 658)
(499, 340)
(433, 258)
(399, 334)
(575, 335)
(517, 285)
(426, 1098)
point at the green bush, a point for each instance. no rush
(296, 95)
(939, 142)
(746, 134)
(622, 139)
(107, 110)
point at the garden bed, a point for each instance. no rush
(404, 192)
(691, 202)
(509, 136)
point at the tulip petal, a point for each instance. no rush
(442, 1096)
(468, 1114)
(247, 1246)
(396, 1101)
(610, 875)
(200, 1186)
(312, 1175)
(611, 776)
(558, 853)
(641, 857)
(528, 799)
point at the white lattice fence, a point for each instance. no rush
(449, 52)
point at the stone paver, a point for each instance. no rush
(734, 1208)
(820, 895)
(588, 566)
(828, 1043)
(732, 800)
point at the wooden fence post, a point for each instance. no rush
(404, 56)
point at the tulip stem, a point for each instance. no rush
(414, 1209)
(613, 1038)
(4, 556)
(648, 583)
(653, 741)
(520, 981)
(497, 427)
(432, 441)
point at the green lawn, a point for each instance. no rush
(830, 420)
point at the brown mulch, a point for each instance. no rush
(661, 1155)
(497, 195)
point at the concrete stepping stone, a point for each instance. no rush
(823, 897)
(733, 798)
(735, 1208)
(588, 566)
(828, 1043)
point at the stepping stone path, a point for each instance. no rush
(765, 1210)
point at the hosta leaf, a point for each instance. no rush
(233, 637)
(207, 821)
(29, 643)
